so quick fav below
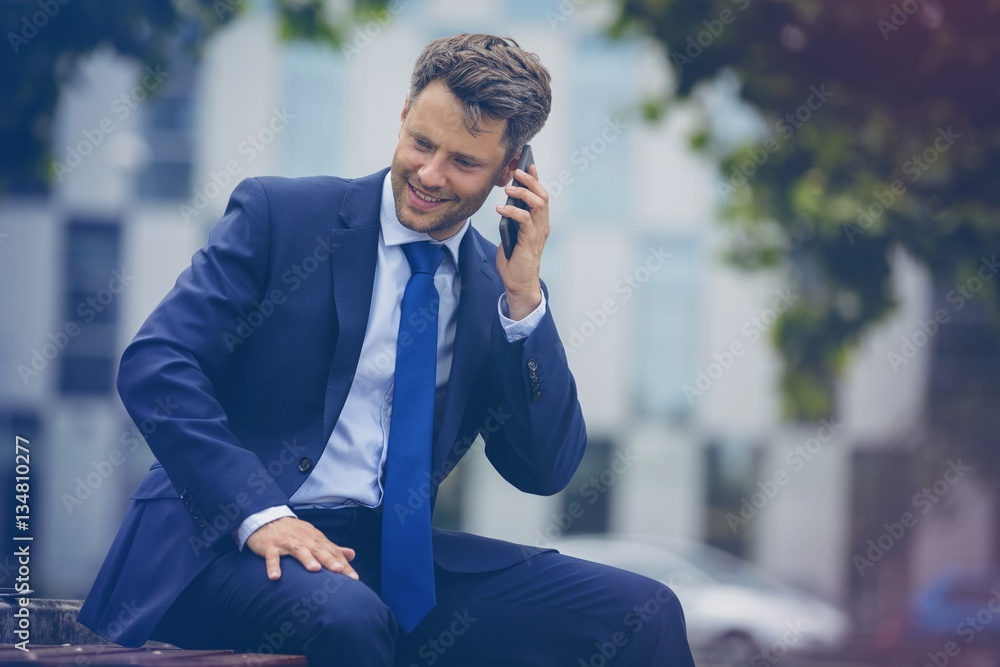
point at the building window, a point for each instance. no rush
(168, 128)
(586, 502)
(597, 168)
(314, 82)
(92, 286)
(667, 278)
(732, 469)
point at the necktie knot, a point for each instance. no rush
(424, 256)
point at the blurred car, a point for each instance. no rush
(958, 605)
(735, 613)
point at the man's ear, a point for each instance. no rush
(507, 175)
(406, 108)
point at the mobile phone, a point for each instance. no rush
(509, 227)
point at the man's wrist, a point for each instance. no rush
(255, 521)
(522, 303)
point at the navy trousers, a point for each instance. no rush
(551, 610)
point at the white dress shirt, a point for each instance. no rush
(352, 467)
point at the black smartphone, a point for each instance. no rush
(509, 227)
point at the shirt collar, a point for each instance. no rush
(394, 233)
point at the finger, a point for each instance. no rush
(515, 213)
(305, 556)
(530, 181)
(346, 555)
(525, 195)
(337, 562)
(332, 561)
(272, 561)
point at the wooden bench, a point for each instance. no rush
(58, 639)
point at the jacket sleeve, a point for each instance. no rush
(177, 358)
(544, 436)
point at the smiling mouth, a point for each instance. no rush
(426, 198)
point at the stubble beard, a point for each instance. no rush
(452, 215)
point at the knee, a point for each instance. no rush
(357, 618)
(657, 603)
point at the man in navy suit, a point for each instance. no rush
(283, 514)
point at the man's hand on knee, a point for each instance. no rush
(289, 536)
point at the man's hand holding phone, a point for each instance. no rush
(520, 273)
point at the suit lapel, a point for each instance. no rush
(476, 314)
(355, 251)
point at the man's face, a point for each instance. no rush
(442, 174)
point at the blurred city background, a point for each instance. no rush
(773, 263)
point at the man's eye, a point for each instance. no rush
(466, 163)
(422, 143)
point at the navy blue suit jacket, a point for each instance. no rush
(238, 377)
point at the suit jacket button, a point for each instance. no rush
(537, 395)
(305, 465)
(532, 365)
(202, 523)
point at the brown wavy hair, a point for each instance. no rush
(494, 78)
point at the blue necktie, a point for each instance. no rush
(407, 554)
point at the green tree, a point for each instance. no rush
(45, 40)
(883, 132)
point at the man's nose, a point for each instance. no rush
(432, 172)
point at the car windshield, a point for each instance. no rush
(676, 563)
(727, 569)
